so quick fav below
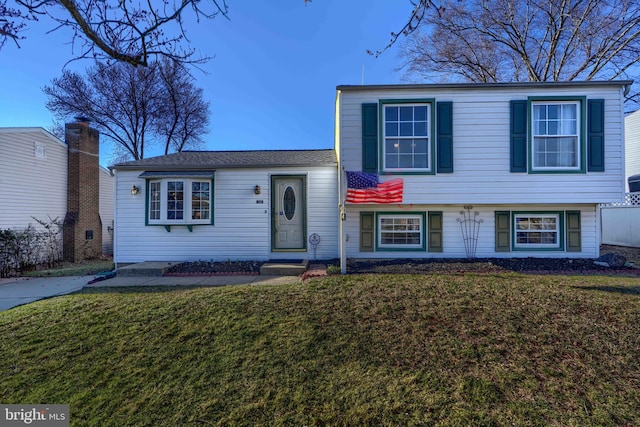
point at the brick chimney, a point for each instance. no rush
(82, 231)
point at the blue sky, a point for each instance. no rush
(271, 83)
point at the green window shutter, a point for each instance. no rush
(369, 137)
(574, 232)
(444, 141)
(518, 129)
(435, 232)
(367, 231)
(595, 135)
(503, 231)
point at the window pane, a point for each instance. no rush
(175, 197)
(154, 200)
(392, 145)
(406, 129)
(406, 146)
(200, 200)
(569, 112)
(420, 129)
(405, 161)
(391, 114)
(420, 113)
(406, 114)
(391, 161)
(553, 112)
(391, 129)
(420, 161)
(421, 145)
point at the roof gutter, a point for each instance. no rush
(505, 85)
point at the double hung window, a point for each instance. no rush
(407, 137)
(555, 142)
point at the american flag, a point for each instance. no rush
(365, 188)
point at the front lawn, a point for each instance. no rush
(449, 350)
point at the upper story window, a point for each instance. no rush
(407, 137)
(555, 135)
(179, 201)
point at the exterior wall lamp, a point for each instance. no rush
(135, 190)
(257, 189)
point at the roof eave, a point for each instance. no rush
(174, 168)
(425, 86)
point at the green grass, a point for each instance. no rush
(459, 350)
(81, 268)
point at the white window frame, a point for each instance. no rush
(563, 133)
(394, 217)
(386, 137)
(187, 208)
(558, 230)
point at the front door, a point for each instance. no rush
(289, 210)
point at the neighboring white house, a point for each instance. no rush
(227, 205)
(33, 181)
(489, 170)
(632, 145)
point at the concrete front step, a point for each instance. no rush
(284, 268)
(158, 268)
(145, 269)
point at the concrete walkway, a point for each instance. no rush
(23, 290)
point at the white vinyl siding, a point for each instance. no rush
(33, 177)
(632, 146)
(481, 148)
(106, 210)
(242, 219)
(453, 243)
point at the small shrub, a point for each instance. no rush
(25, 249)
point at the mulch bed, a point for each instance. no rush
(211, 268)
(571, 266)
(487, 265)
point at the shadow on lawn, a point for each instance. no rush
(629, 290)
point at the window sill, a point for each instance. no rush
(169, 226)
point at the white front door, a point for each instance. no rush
(289, 212)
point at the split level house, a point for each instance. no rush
(417, 171)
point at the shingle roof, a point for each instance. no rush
(233, 159)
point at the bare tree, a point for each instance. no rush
(134, 107)
(184, 112)
(532, 40)
(130, 31)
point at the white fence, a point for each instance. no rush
(621, 222)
